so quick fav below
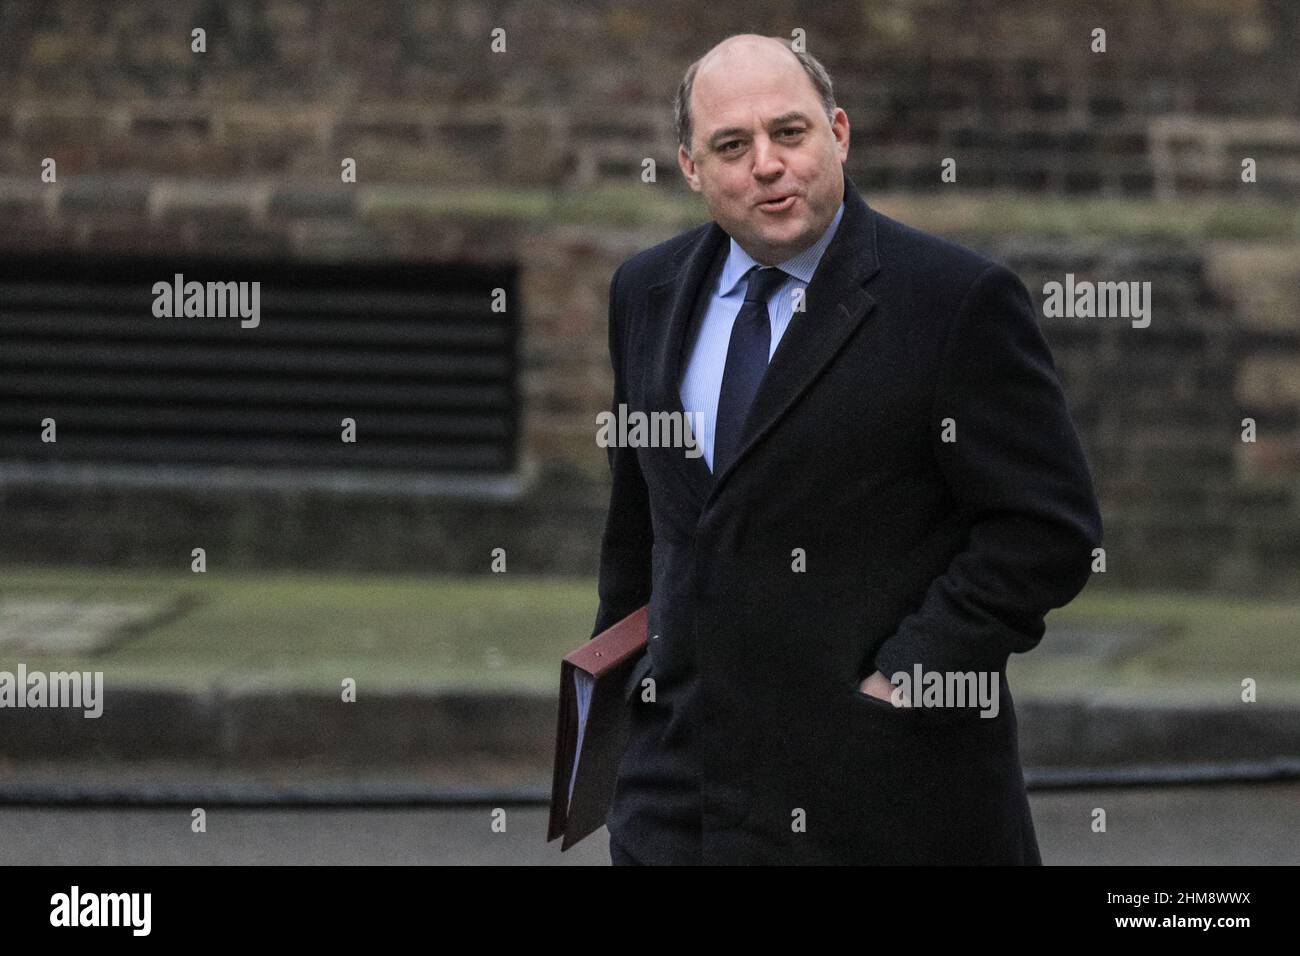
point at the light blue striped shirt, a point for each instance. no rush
(702, 379)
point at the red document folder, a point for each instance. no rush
(595, 693)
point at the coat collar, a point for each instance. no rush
(835, 305)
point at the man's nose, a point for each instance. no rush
(767, 158)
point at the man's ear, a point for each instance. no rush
(688, 168)
(843, 148)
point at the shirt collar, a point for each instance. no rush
(801, 265)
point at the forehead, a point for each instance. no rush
(736, 92)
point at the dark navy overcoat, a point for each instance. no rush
(910, 439)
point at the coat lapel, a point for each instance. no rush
(671, 304)
(835, 305)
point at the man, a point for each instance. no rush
(890, 485)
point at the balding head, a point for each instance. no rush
(745, 48)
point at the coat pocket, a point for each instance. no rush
(870, 701)
(967, 704)
(915, 714)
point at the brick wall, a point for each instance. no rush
(534, 156)
(412, 91)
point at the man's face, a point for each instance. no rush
(760, 133)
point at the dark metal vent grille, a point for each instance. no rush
(413, 353)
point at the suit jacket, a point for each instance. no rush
(917, 550)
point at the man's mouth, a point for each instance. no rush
(777, 205)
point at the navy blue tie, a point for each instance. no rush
(751, 340)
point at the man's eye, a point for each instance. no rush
(725, 146)
(792, 129)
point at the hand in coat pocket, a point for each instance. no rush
(877, 685)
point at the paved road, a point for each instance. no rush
(1255, 824)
